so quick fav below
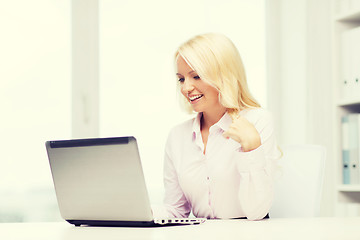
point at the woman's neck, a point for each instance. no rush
(209, 119)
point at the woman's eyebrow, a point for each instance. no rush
(188, 73)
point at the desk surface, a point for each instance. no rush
(305, 228)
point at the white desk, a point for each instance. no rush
(305, 229)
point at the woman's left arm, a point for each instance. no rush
(256, 163)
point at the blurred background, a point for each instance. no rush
(104, 68)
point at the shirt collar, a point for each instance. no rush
(196, 126)
(224, 123)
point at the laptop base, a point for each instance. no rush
(102, 223)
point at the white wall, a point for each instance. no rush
(299, 78)
(137, 83)
(35, 103)
(35, 88)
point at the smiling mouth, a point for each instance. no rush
(195, 97)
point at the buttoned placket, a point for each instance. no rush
(204, 157)
(210, 148)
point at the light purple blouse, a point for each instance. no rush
(225, 182)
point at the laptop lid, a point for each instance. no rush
(99, 179)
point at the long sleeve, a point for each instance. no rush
(175, 202)
(256, 169)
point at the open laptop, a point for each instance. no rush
(100, 182)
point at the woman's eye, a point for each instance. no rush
(181, 80)
(196, 77)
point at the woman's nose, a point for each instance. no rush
(187, 86)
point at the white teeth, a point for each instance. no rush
(192, 98)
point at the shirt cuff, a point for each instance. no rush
(252, 160)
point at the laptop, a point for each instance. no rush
(100, 182)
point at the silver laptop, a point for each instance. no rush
(100, 182)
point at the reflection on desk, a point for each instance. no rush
(305, 228)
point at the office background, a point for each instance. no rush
(79, 68)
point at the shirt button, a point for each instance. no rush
(208, 178)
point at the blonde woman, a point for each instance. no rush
(219, 164)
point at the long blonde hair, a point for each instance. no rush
(217, 61)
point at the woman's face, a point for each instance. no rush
(202, 96)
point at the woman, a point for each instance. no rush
(219, 164)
